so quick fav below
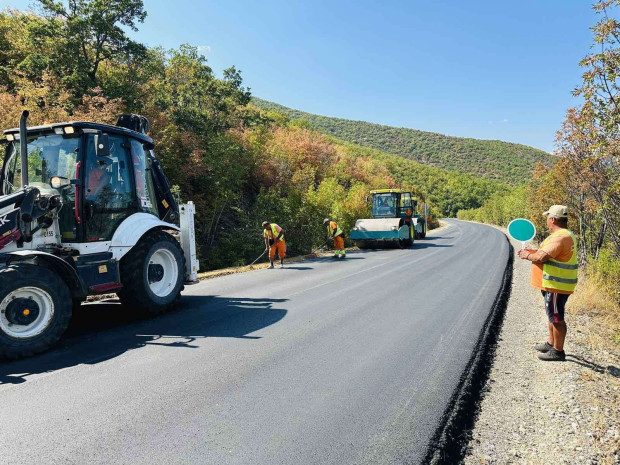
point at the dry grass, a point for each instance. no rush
(594, 298)
(595, 318)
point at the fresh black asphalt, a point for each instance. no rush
(324, 361)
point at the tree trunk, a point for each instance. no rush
(600, 239)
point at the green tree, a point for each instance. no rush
(92, 32)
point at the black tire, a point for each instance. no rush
(361, 245)
(25, 275)
(134, 269)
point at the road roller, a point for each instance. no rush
(394, 222)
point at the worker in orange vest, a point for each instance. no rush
(334, 232)
(274, 240)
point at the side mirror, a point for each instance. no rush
(102, 145)
(58, 182)
(367, 199)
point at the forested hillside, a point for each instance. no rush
(239, 164)
(491, 159)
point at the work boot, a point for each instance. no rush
(546, 347)
(335, 255)
(281, 265)
(553, 356)
(343, 255)
(271, 267)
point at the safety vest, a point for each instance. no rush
(273, 233)
(561, 275)
(330, 229)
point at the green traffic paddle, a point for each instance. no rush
(522, 230)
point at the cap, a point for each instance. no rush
(265, 223)
(326, 220)
(559, 211)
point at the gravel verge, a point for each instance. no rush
(536, 412)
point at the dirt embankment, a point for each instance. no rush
(536, 412)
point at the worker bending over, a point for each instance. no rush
(335, 233)
(274, 240)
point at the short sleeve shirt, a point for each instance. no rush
(558, 246)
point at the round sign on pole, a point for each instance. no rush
(522, 230)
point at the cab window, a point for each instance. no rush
(383, 205)
(48, 155)
(144, 182)
(108, 189)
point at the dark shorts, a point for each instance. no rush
(554, 305)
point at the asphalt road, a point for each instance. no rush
(322, 362)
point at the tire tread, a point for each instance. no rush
(134, 294)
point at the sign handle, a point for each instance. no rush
(522, 245)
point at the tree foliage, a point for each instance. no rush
(587, 176)
(88, 33)
(239, 164)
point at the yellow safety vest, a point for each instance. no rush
(274, 233)
(330, 229)
(561, 275)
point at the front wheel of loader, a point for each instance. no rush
(35, 309)
(152, 274)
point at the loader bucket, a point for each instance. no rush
(379, 233)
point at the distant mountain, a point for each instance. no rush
(492, 159)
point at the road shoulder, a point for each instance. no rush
(537, 412)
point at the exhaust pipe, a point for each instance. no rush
(23, 146)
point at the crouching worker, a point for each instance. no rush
(274, 240)
(335, 233)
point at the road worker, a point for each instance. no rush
(274, 241)
(334, 232)
(554, 272)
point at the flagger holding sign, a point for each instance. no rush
(554, 272)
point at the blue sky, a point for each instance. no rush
(483, 69)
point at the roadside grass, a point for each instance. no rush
(597, 296)
(595, 311)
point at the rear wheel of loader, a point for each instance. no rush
(152, 274)
(35, 309)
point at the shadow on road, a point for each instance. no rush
(367, 251)
(612, 370)
(332, 259)
(102, 331)
(425, 245)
